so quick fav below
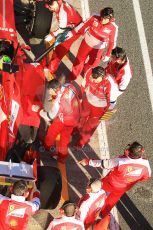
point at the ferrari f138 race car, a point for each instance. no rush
(22, 84)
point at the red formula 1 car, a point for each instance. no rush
(21, 85)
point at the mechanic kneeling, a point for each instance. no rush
(15, 211)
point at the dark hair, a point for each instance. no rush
(53, 84)
(107, 12)
(118, 52)
(135, 149)
(6, 48)
(50, 2)
(19, 188)
(69, 208)
(98, 72)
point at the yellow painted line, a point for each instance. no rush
(64, 195)
(62, 168)
(9, 184)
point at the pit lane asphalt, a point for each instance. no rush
(133, 120)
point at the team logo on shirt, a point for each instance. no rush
(129, 169)
(13, 223)
(95, 23)
(11, 208)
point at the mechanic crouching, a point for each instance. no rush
(15, 211)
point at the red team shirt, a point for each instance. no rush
(100, 94)
(125, 171)
(90, 206)
(122, 75)
(66, 223)
(67, 16)
(14, 212)
(98, 35)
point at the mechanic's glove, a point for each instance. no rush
(106, 59)
(50, 37)
(84, 162)
(35, 108)
(45, 115)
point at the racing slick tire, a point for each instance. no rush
(42, 21)
(50, 186)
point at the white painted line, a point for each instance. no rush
(104, 154)
(144, 49)
(102, 135)
(79, 165)
(75, 190)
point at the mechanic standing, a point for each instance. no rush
(100, 93)
(91, 203)
(67, 18)
(125, 172)
(119, 67)
(15, 211)
(99, 32)
(68, 220)
(64, 114)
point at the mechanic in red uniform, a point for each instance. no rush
(67, 17)
(125, 172)
(65, 114)
(15, 211)
(100, 32)
(100, 93)
(91, 203)
(68, 220)
(119, 67)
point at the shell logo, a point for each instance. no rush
(13, 223)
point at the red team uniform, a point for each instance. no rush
(97, 38)
(121, 75)
(67, 223)
(125, 173)
(97, 99)
(90, 205)
(15, 211)
(65, 114)
(67, 17)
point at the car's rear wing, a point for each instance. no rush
(11, 172)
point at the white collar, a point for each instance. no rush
(17, 198)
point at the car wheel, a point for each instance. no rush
(50, 186)
(42, 21)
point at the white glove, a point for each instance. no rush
(112, 105)
(35, 108)
(49, 37)
(106, 59)
(43, 114)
